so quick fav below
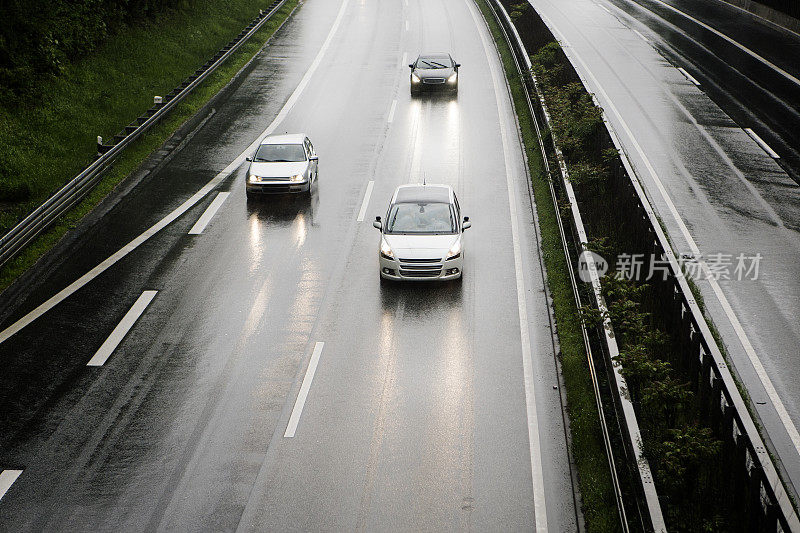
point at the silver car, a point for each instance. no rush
(421, 237)
(282, 164)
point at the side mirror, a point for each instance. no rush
(411, 65)
(458, 65)
(467, 224)
(248, 159)
(377, 223)
(314, 157)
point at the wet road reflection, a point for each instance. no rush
(415, 418)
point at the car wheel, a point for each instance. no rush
(414, 92)
(249, 194)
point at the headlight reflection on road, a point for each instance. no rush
(300, 229)
(455, 390)
(453, 149)
(256, 243)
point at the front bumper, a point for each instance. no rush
(426, 84)
(278, 187)
(401, 269)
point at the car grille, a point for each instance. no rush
(280, 178)
(420, 268)
(433, 80)
(275, 189)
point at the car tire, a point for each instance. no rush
(414, 92)
(250, 195)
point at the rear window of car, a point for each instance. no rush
(280, 153)
(421, 218)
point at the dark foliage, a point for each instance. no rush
(39, 37)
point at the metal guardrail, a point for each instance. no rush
(758, 479)
(59, 203)
(650, 512)
(523, 67)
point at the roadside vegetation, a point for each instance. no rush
(686, 459)
(594, 479)
(51, 115)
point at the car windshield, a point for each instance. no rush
(421, 218)
(434, 62)
(280, 153)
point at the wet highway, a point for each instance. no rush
(720, 192)
(271, 382)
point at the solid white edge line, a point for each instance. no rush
(363, 211)
(391, 111)
(735, 43)
(604, 8)
(209, 213)
(766, 382)
(642, 37)
(294, 419)
(753, 135)
(537, 471)
(185, 206)
(688, 76)
(122, 329)
(7, 478)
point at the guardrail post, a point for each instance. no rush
(102, 148)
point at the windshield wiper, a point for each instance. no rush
(438, 64)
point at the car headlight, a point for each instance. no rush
(414, 78)
(386, 250)
(252, 178)
(453, 77)
(297, 177)
(455, 250)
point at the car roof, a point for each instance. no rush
(286, 138)
(423, 193)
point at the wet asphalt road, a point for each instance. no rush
(416, 416)
(718, 193)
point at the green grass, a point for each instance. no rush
(46, 145)
(588, 452)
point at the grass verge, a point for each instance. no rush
(55, 140)
(594, 479)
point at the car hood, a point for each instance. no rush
(434, 72)
(420, 246)
(277, 170)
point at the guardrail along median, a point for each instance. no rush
(678, 404)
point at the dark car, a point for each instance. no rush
(434, 72)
